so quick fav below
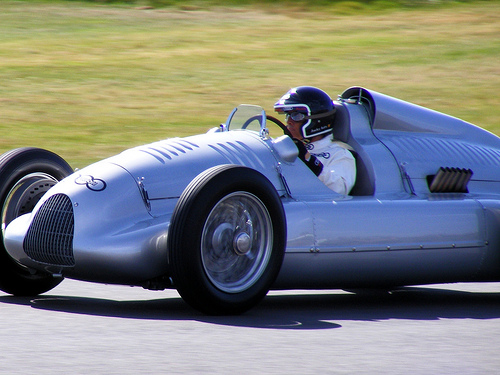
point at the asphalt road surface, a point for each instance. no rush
(83, 328)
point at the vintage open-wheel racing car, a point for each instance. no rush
(226, 216)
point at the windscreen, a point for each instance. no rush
(245, 116)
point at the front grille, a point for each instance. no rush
(50, 237)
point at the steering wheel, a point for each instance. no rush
(268, 118)
(250, 120)
(280, 124)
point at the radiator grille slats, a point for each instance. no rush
(50, 237)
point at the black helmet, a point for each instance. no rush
(315, 105)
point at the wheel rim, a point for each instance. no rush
(24, 195)
(236, 242)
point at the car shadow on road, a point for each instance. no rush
(292, 311)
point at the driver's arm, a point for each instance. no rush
(310, 160)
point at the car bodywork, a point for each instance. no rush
(425, 207)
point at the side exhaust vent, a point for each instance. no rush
(450, 180)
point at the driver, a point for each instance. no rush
(309, 116)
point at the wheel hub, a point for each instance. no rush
(242, 243)
(225, 239)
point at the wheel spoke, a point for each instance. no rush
(236, 242)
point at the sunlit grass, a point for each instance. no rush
(88, 80)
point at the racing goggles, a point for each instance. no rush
(296, 116)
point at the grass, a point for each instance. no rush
(89, 79)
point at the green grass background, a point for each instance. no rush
(89, 79)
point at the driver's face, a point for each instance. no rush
(294, 128)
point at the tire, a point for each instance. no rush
(25, 175)
(226, 240)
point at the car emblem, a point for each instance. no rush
(94, 184)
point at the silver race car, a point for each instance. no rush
(224, 217)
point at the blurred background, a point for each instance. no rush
(88, 79)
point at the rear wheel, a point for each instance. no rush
(226, 240)
(26, 174)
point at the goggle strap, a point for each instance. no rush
(321, 115)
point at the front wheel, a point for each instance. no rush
(226, 240)
(25, 176)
